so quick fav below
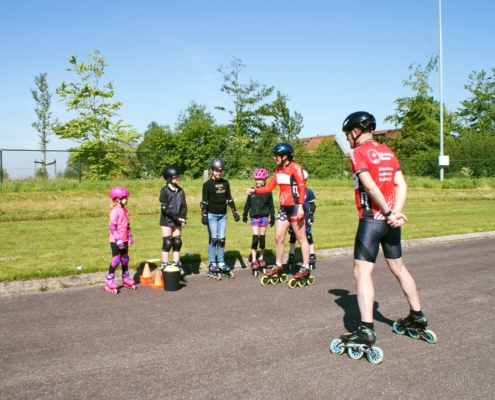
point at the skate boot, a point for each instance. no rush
(225, 270)
(254, 268)
(415, 326)
(357, 343)
(178, 264)
(164, 265)
(127, 281)
(290, 261)
(213, 271)
(274, 275)
(110, 285)
(262, 264)
(312, 261)
(302, 278)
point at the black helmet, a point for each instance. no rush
(170, 172)
(283, 148)
(217, 164)
(359, 119)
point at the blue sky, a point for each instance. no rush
(330, 57)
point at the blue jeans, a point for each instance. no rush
(216, 230)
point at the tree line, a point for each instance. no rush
(259, 117)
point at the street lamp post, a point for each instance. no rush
(442, 160)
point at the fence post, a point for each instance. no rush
(79, 162)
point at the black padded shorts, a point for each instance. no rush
(370, 234)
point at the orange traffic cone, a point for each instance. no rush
(158, 283)
(146, 277)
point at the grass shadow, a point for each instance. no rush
(352, 317)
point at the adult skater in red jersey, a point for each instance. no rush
(380, 192)
(290, 177)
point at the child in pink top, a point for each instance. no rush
(120, 239)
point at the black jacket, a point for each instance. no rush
(260, 205)
(173, 205)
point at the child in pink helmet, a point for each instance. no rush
(259, 206)
(120, 239)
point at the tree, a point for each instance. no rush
(44, 125)
(103, 141)
(478, 112)
(327, 160)
(249, 110)
(417, 117)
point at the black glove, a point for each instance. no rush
(236, 215)
(244, 218)
(204, 219)
(272, 221)
(311, 218)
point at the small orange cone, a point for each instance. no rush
(158, 283)
(146, 277)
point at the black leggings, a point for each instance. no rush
(370, 234)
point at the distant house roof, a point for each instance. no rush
(388, 133)
(311, 142)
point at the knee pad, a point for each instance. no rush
(177, 243)
(167, 244)
(310, 238)
(221, 242)
(262, 242)
(254, 243)
(292, 238)
(214, 242)
(115, 261)
(125, 260)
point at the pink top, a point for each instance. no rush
(119, 224)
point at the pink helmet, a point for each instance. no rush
(260, 173)
(118, 191)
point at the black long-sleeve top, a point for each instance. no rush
(216, 193)
(260, 204)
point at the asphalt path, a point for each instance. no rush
(236, 339)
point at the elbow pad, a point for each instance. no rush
(231, 204)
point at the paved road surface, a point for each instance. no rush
(236, 339)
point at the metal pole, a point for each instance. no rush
(441, 89)
(1, 167)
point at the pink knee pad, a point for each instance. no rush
(125, 260)
(115, 261)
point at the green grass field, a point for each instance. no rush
(48, 228)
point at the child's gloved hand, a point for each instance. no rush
(244, 218)
(236, 215)
(120, 244)
(272, 221)
(204, 219)
(131, 240)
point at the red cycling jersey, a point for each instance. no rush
(292, 184)
(382, 164)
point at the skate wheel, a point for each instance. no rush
(335, 347)
(413, 333)
(255, 273)
(231, 275)
(301, 282)
(375, 355)
(355, 352)
(274, 279)
(398, 329)
(430, 336)
(264, 280)
(292, 283)
(133, 287)
(284, 278)
(311, 281)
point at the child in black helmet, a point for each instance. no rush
(172, 217)
(216, 196)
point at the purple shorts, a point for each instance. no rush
(259, 221)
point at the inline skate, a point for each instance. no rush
(110, 285)
(274, 275)
(254, 268)
(178, 264)
(357, 343)
(225, 270)
(415, 326)
(127, 281)
(312, 261)
(213, 271)
(290, 261)
(302, 278)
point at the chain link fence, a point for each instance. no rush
(16, 164)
